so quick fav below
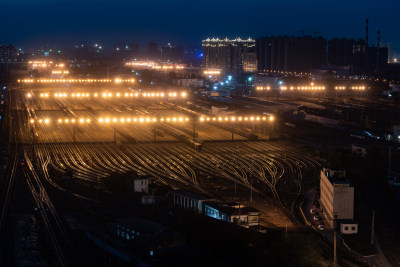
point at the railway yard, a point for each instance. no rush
(103, 133)
(97, 137)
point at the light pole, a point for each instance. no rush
(155, 133)
(232, 131)
(194, 129)
(115, 135)
(271, 119)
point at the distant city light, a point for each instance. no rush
(154, 65)
(212, 72)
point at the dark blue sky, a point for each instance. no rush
(39, 22)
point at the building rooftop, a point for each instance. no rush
(141, 177)
(190, 194)
(348, 222)
(336, 176)
(231, 208)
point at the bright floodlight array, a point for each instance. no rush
(60, 72)
(236, 118)
(117, 80)
(356, 88)
(261, 88)
(303, 88)
(109, 94)
(105, 120)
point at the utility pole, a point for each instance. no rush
(372, 228)
(390, 157)
(235, 187)
(74, 132)
(239, 214)
(286, 231)
(194, 129)
(232, 131)
(115, 136)
(334, 250)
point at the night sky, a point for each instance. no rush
(29, 23)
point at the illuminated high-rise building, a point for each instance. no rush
(228, 55)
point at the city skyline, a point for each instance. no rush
(213, 133)
(48, 23)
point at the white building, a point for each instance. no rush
(349, 227)
(337, 196)
(141, 184)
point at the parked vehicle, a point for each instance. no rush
(321, 227)
(313, 211)
(316, 218)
